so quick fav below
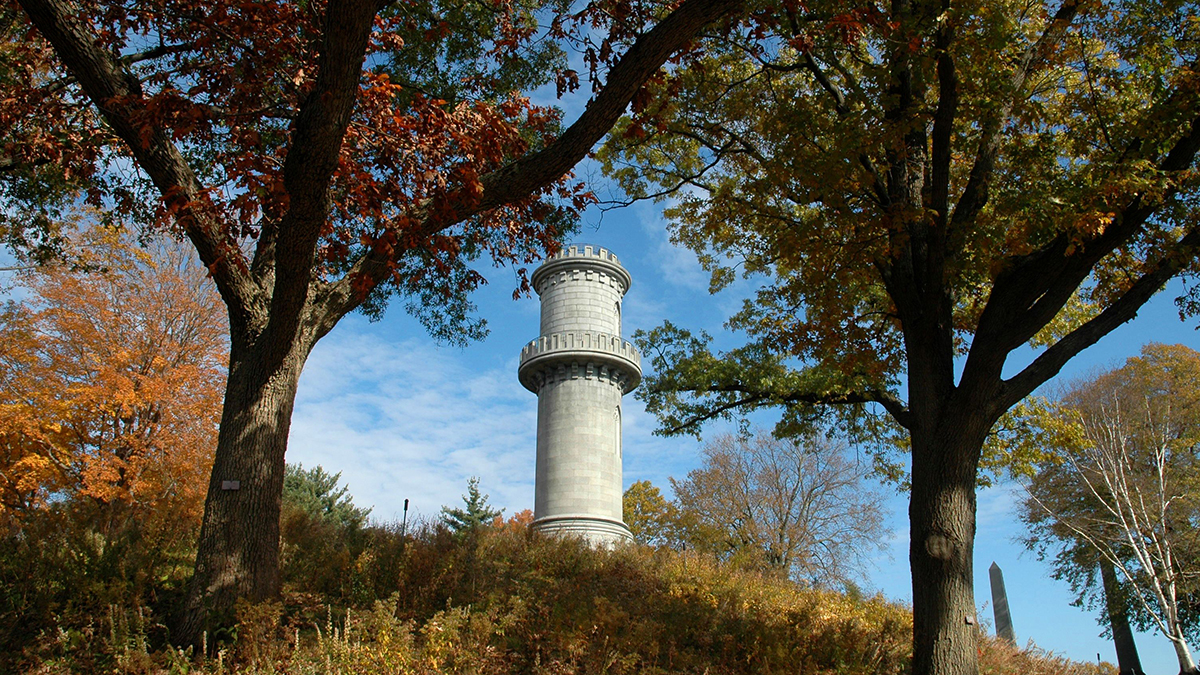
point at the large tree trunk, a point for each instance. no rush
(941, 547)
(238, 550)
(1118, 621)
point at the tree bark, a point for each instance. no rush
(1187, 665)
(941, 553)
(276, 313)
(238, 550)
(1118, 621)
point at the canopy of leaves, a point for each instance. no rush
(110, 393)
(225, 83)
(651, 519)
(919, 180)
(1125, 438)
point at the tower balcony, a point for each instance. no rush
(610, 355)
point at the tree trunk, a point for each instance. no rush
(1118, 621)
(238, 549)
(941, 550)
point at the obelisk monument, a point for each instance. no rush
(1004, 626)
(580, 367)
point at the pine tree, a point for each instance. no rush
(316, 492)
(477, 513)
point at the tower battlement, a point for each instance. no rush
(586, 251)
(581, 259)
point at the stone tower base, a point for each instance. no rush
(600, 532)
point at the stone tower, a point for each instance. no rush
(579, 368)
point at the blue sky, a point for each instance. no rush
(403, 417)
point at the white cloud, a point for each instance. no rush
(410, 420)
(674, 265)
(995, 510)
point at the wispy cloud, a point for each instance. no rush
(996, 510)
(403, 418)
(411, 420)
(675, 265)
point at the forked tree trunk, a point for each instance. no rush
(238, 550)
(941, 548)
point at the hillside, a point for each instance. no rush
(503, 601)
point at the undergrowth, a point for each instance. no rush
(502, 600)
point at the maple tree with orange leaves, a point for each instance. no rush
(110, 387)
(320, 157)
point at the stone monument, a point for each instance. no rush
(1004, 626)
(580, 368)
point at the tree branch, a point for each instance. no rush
(312, 158)
(540, 169)
(1125, 308)
(118, 96)
(713, 413)
(129, 60)
(976, 193)
(895, 407)
(1035, 287)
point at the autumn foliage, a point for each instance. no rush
(321, 157)
(110, 390)
(508, 601)
(920, 191)
(226, 83)
(110, 383)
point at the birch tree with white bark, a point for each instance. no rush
(1118, 475)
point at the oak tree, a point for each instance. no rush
(923, 188)
(321, 156)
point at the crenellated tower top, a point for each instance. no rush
(585, 258)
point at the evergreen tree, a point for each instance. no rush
(477, 513)
(316, 493)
